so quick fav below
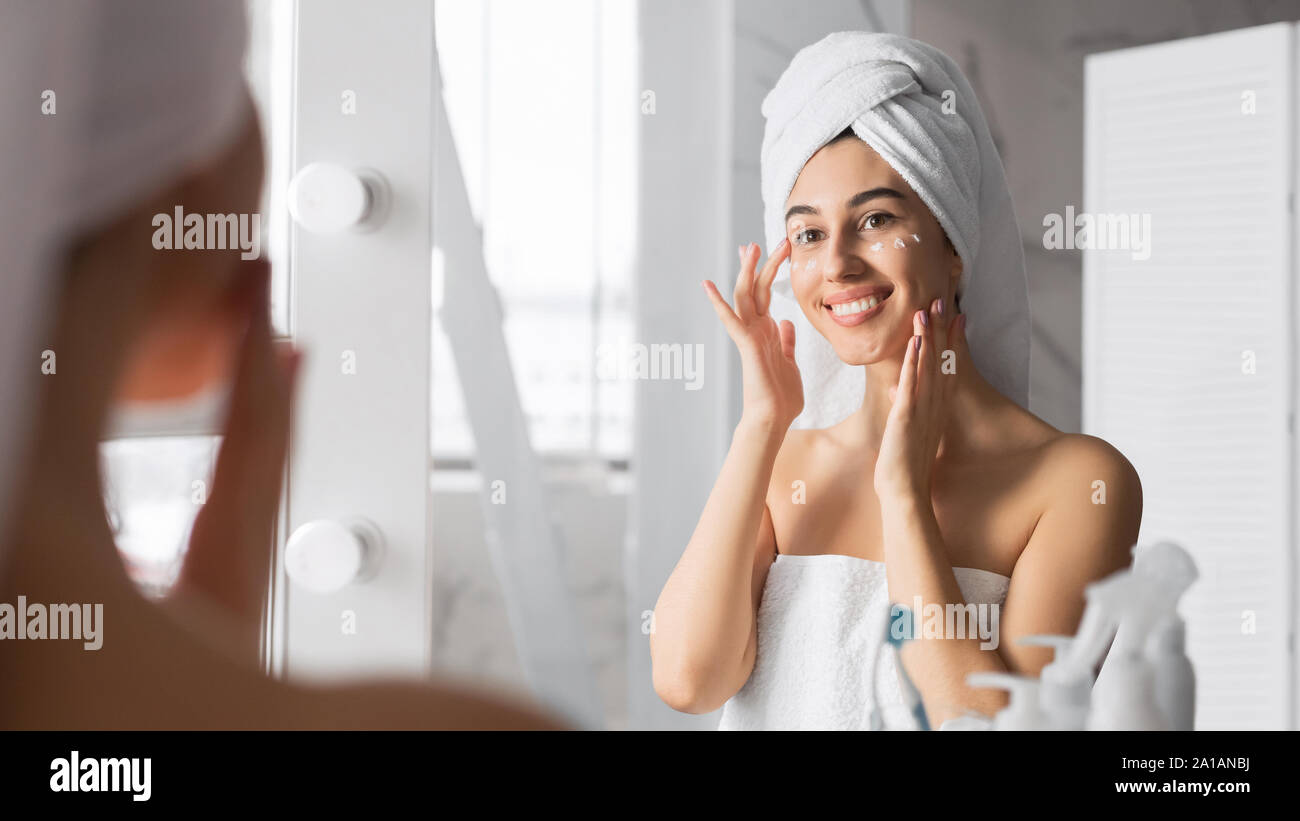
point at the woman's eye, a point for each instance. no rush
(877, 221)
(805, 236)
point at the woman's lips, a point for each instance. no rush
(848, 320)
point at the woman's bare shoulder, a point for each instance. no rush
(1056, 450)
(1060, 463)
(1069, 456)
(1087, 489)
(1072, 458)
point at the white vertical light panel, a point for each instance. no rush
(361, 440)
(1165, 338)
(685, 60)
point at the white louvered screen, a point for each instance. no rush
(1167, 134)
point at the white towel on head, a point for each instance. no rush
(892, 91)
(141, 91)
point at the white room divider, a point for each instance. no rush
(1189, 349)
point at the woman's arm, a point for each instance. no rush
(1075, 541)
(917, 566)
(1086, 533)
(704, 632)
(705, 628)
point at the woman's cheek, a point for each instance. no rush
(179, 355)
(803, 276)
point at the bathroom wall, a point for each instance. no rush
(1025, 61)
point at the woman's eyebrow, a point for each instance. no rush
(856, 200)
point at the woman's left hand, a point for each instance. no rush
(920, 404)
(228, 562)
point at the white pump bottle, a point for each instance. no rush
(1065, 685)
(1125, 699)
(1175, 681)
(1148, 649)
(1022, 712)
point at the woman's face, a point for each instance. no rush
(859, 233)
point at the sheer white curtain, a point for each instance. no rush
(542, 102)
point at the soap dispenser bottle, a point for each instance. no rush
(1065, 685)
(1175, 680)
(1022, 712)
(1124, 695)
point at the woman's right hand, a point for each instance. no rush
(773, 389)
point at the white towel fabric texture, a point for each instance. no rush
(820, 623)
(911, 103)
(141, 92)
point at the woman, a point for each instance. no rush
(886, 197)
(117, 112)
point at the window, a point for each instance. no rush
(542, 103)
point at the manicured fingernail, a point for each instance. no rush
(939, 308)
(925, 318)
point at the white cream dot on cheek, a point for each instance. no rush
(877, 246)
(898, 243)
(812, 265)
(918, 239)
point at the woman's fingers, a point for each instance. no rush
(763, 289)
(922, 328)
(743, 298)
(729, 319)
(906, 393)
(787, 339)
(935, 350)
(230, 545)
(940, 325)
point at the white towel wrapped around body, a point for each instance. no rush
(820, 625)
(910, 102)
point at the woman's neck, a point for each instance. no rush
(973, 401)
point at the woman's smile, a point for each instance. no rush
(857, 305)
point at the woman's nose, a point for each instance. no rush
(839, 259)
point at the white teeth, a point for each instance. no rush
(850, 308)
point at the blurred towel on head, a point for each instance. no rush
(912, 104)
(104, 104)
